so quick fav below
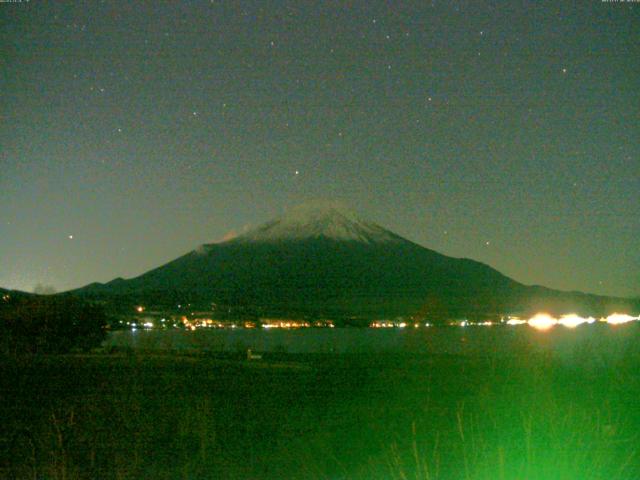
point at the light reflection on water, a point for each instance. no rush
(599, 342)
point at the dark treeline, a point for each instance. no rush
(46, 324)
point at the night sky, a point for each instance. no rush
(507, 132)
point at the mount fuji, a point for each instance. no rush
(323, 261)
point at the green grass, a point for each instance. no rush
(351, 417)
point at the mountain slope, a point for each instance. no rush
(324, 261)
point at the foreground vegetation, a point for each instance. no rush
(131, 416)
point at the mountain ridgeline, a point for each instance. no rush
(324, 262)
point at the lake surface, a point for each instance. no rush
(587, 343)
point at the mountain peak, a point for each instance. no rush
(326, 220)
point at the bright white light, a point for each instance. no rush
(572, 320)
(542, 321)
(618, 318)
(515, 321)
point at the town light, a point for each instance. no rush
(572, 320)
(618, 318)
(542, 321)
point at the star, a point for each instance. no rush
(70, 237)
(564, 70)
(297, 172)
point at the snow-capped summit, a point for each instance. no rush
(321, 261)
(316, 221)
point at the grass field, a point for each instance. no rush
(132, 416)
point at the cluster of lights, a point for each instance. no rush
(543, 321)
(286, 324)
(572, 320)
(540, 321)
(515, 321)
(197, 323)
(148, 324)
(390, 324)
(324, 324)
(208, 323)
(466, 323)
(458, 323)
(618, 318)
